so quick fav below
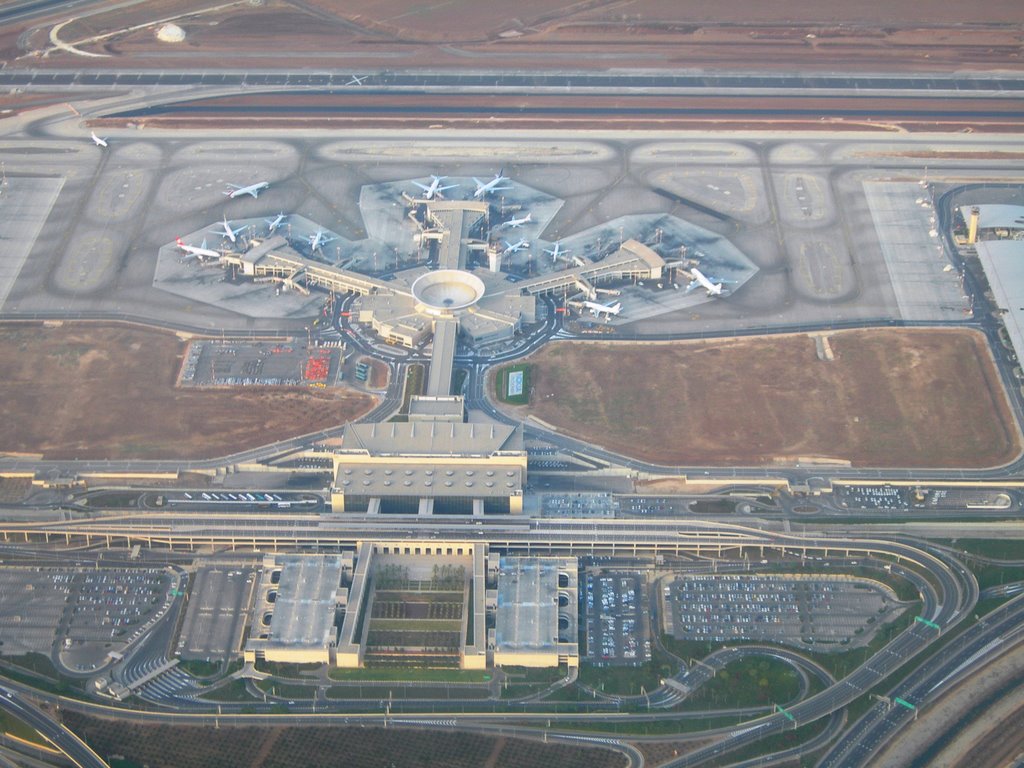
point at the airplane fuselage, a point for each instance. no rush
(252, 189)
(200, 252)
(713, 289)
(603, 309)
(486, 187)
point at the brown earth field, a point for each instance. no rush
(108, 391)
(831, 35)
(890, 398)
(325, 747)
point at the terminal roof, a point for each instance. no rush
(432, 439)
(996, 215)
(306, 599)
(527, 616)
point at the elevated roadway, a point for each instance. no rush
(948, 594)
(997, 633)
(76, 750)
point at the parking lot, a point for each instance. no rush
(288, 363)
(963, 499)
(616, 619)
(88, 612)
(216, 612)
(235, 500)
(871, 497)
(31, 605)
(813, 611)
(577, 505)
(653, 505)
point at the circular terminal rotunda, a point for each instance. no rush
(447, 292)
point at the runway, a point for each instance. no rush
(534, 81)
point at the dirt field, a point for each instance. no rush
(866, 35)
(891, 398)
(296, 747)
(91, 391)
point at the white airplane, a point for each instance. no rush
(514, 223)
(698, 279)
(97, 140)
(430, 190)
(227, 231)
(597, 309)
(486, 187)
(200, 252)
(356, 80)
(319, 238)
(276, 222)
(252, 189)
(515, 247)
(556, 252)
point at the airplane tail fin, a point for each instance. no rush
(178, 240)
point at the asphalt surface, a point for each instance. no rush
(67, 742)
(535, 82)
(949, 593)
(944, 604)
(977, 645)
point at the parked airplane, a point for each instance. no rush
(200, 252)
(356, 80)
(514, 223)
(227, 231)
(556, 252)
(252, 189)
(276, 222)
(98, 141)
(515, 247)
(597, 309)
(319, 238)
(486, 187)
(430, 190)
(698, 279)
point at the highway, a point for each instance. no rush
(995, 634)
(77, 751)
(948, 594)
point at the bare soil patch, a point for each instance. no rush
(379, 373)
(833, 35)
(167, 746)
(107, 391)
(891, 398)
